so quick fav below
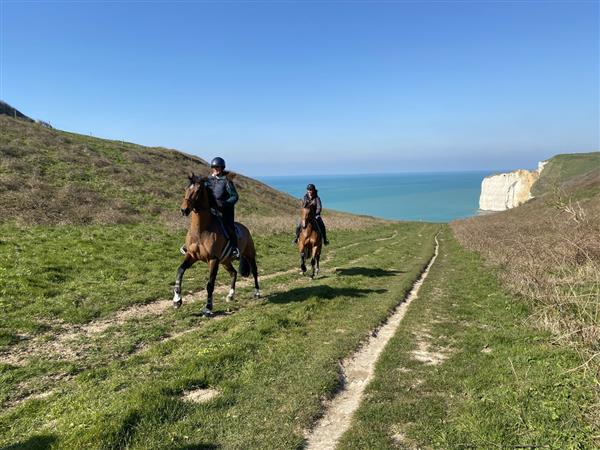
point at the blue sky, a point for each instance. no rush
(314, 87)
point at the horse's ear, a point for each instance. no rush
(231, 175)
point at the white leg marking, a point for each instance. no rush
(177, 300)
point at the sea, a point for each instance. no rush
(415, 196)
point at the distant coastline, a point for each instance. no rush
(411, 196)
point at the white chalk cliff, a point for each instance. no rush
(507, 190)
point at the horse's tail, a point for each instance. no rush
(244, 267)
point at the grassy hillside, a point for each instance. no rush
(562, 170)
(54, 177)
(548, 252)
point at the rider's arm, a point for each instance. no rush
(319, 207)
(233, 195)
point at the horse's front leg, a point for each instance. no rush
(177, 298)
(318, 258)
(213, 268)
(302, 262)
(233, 274)
(314, 261)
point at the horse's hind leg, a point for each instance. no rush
(177, 298)
(233, 274)
(254, 269)
(213, 268)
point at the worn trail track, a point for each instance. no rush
(357, 372)
(73, 341)
(63, 345)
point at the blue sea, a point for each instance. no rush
(430, 197)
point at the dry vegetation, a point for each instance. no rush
(52, 177)
(549, 251)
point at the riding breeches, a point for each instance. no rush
(229, 223)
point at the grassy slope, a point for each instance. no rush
(549, 251)
(272, 360)
(49, 176)
(561, 169)
(504, 383)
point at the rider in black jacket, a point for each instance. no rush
(312, 198)
(225, 197)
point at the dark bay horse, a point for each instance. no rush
(309, 242)
(206, 242)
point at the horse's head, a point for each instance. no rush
(308, 214)
(195, 197)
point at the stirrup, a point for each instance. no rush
(183, 249)
(235, 253)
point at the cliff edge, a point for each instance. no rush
(507, 190)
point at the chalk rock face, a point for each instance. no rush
(507, 190)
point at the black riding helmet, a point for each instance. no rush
(217, 162)
(311, 187)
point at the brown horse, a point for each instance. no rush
(309, 242)
(205, 241)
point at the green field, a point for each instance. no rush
(98, 359)
(467, 369)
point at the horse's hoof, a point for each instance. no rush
(177, 301)
(207, 312)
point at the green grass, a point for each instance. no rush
(50, 176)
(561, 169)
(71, 274)
(272, 360)
(503, 384)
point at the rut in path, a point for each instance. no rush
(357, 372)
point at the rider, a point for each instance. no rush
(224, 199)
(312, 198)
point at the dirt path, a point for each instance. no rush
(62, 346)
(357, 372)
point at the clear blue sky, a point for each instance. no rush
(314, 87)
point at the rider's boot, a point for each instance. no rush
(235, 251)
(324, 233)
